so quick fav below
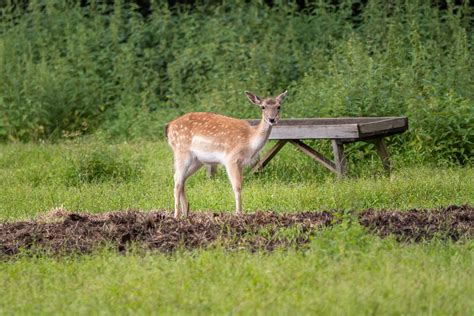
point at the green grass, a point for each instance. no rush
(38, 178)
(343, 271)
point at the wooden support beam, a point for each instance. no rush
(339, 158)
(314, 154)
(269, 155)
(383, 154)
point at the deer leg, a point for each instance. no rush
(178, 193)
(178, 187)
(181, 165)
(234, 171)
(195, 165)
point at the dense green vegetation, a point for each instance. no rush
(67, 71)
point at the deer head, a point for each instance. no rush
(270, 106)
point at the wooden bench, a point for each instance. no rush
(339, 130)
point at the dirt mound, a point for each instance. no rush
(75, 232)
(453, 222)
(60, 231)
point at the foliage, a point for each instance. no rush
(67, 70)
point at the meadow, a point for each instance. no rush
(95, 177)
(343, 270)
(85, 92)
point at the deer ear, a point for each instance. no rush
(282, 96)
(253, 98)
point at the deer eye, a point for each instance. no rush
(278, 107)
(263, 107)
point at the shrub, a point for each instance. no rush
(103, 164)
(68, 70)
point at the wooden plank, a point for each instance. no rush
(322, 121)
(314, 154)
(383, 154)
(348, 129)
(314, 131)
(339, 158)
(383, 125)
(269, 155)
(373, 135)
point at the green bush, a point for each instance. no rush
(68, 71)
(103, 164)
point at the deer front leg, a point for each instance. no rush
(234, 171)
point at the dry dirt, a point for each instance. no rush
(60, 231)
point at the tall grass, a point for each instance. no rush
(67, 70)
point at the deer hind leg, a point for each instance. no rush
(234, 171)
(181, 164)
(178, 189)
(193, 167)
(185, 166)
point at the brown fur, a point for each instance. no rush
(219, 127)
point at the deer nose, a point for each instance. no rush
(272, 120)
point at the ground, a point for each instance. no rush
(62, 232)
(307, 243)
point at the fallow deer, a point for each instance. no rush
(206, 138)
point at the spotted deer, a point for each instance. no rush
(206, 138)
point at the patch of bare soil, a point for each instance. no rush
(60, 231)
(453, 222)
(73, 232)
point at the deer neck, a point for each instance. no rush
(260, 137)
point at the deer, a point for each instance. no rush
(201, 138)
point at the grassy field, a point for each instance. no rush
(96, 177)
(344, 270)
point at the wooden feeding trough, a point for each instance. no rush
(339, 130)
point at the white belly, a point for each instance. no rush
(205, 150)
(208, 152)
(208, 157)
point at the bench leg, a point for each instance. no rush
(339, 158)
(383, 153)
(269, 155)
(314, 154)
